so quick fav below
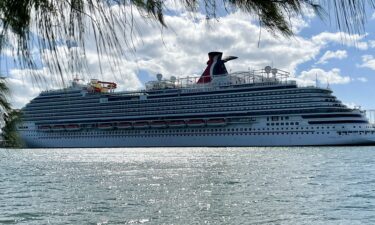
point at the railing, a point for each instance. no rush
(255, 77)
(242, 77)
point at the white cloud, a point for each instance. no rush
(27, 83)
(190, 41)
(345, 39)
(298, 23)
(373, 16)
(181, 50)
(362, 79)
(351, 105)
(368, 61)
(307, 78)
(23, 86)
(361, 45)
(339, 54)
(372, 43)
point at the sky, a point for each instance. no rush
(345, 63)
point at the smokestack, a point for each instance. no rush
(215, 66)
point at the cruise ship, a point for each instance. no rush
(249, 108)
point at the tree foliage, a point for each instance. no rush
(9, 133)
(4, 93)
(54, 21)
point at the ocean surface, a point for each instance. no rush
(325, 185)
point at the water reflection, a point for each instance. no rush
(187, 186)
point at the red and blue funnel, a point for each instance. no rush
(215, 66)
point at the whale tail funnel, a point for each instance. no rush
(215, 66)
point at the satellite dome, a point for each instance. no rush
(267, 69)
(173, 79)
(159, 76)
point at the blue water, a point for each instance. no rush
(188, 186)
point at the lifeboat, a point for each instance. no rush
(216, 122)
(72, 127)
(158, 124)
(44, 127)
(105, 126)
(141, 125)
(101, 86)
(196, 123)
(58, 127)
(176, 123)
(124, 125)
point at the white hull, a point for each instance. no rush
(249, 108)
(119, 139)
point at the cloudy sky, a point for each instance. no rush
(344, 62)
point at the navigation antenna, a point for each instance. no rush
(316, 80)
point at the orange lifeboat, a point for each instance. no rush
(124, 125)
(102, 86)
(158, 124)
(72, 127)
(105, 126)
(141, 125)
(216, 122)
(196, 123)
(176, 123)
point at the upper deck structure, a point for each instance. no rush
(249, 108)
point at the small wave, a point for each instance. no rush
(363, 182)
(365, 196)
(22, 217)
(140, 221)
(356, 207)
(100, 209)
(27, 215)
(8, 221)
(231, 182)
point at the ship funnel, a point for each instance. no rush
(215, 66)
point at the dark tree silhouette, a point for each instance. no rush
(9, 134)
(4, 93)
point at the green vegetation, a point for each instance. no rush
(9, 134)
(4, 93)
(10, 117)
